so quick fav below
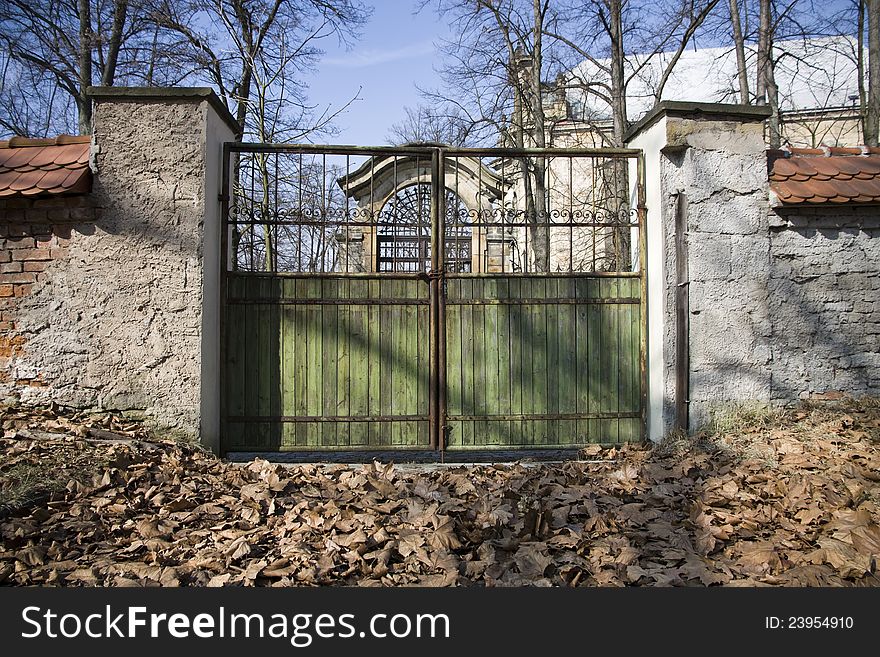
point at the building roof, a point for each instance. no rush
(812, 176)
(810, 73)
(45, 167)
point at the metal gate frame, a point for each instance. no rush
(436, 279)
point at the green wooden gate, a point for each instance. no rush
(367, 315)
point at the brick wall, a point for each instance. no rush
(34, 236)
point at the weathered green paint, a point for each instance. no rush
(321, 376)
(573, 364)
(562, 370)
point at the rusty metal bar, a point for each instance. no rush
(332, 274)
(643, 307)
(332, 302)
(319, 149)
(224, 264)
(550, 274)
(682, 315)
(437, 248)
(440, 286)
(328, 418)
(547, 416)
(545, 302)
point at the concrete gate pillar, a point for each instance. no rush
(706, 162)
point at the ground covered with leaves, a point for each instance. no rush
(784, 498)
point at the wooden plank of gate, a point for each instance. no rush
(300, 338)
(423, 345)
(399, 363)
(359, 354)
(326, 376)
(554, 371)
(386, 391)
(612, 353)
(314, 387)
(288, 362)
(273, 365)
(635, 374)
(567, 361)
(411, 363)
(343, 363)
(540, 364)
(375, 366)
(594, 323)
(503, 404)
(467, 362)
(454, 368)
(517, 364)
(582, 358)
(625, 358)
(489, 370)
(637, 377)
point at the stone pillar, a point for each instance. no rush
(715, 156)
(128, 319)
(352, 257)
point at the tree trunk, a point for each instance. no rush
(739, 45)
(763, 53)
(774, 134)
(618, 186)
(83, 102)
(120, 11)
(540, 234)
(242, 98)
(872, 110)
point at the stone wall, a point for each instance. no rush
(34, 238)
(783, 305)
(825, 302)
(116, 317)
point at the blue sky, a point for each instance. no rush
(395, 53)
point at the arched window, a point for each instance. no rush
(403, 239)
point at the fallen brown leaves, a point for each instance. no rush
(799, 509)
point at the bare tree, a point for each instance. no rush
(739, 47)
(62, 47)
(226, 41)
(872, 109)
(493, 72)
(437, 124)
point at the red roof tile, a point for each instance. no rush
(826, 175)
(43, 167)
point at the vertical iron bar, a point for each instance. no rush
(503, 221)
(277, 219)
(682, 315)
(252, 200)
(433, 314)
(441, 303)
(595, 211)
(570, 213)
(643, 300)
(222, 285)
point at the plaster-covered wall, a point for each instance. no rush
(118, 322)
(721, 168)
(783, 304)
(825, 301)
